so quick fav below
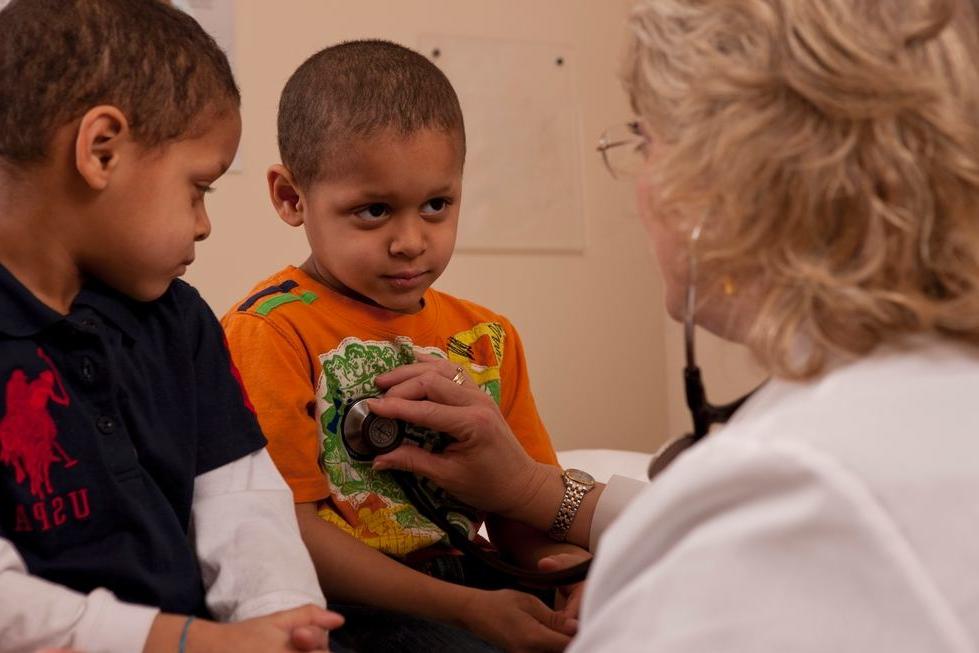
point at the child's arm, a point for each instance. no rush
(252, 559)
(35, 613)
(353, 572)
(528, 546)
(299, 629)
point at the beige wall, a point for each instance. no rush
(604, 362)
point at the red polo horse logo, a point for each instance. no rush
(28, 435)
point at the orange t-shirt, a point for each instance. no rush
(304, 350)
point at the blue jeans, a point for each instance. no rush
(370, 629)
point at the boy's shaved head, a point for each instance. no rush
(356, 90)
(59, 58)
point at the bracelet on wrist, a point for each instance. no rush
(182, 647)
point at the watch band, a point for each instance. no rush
(576, 485)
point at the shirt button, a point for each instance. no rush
(106, 424)
(87, 369)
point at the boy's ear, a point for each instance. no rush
(286, 197)
(102, 132)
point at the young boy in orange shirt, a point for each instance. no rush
(372, 143)
(138, 506)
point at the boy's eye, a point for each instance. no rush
(373, 212)
(435, 205)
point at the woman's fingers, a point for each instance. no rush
(560, 561)
(425, 364)
(411, 459)
(401, 374)
(439, 414)
(435, 387)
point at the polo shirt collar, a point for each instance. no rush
(112, 305)
(24, 314)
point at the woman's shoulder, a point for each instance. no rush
(776, 500)
(875, 458)
(904, 398)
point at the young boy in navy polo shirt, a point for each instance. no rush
(135, 490)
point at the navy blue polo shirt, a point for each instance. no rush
(106, 417)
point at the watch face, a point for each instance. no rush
(579, 476)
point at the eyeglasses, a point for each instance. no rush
(623, 149)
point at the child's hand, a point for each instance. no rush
(516, 622)
(300, 629)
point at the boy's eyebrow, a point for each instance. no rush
(369, 195)
(442, 190)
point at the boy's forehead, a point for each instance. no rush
(433, 154)
(210, 146)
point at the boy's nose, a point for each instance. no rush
(202, 229)
(408, 239)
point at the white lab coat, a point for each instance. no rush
(840, 515)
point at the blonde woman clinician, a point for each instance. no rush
(815, 163)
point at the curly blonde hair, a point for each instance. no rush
(832, 149)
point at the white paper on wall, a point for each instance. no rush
(217, 17)
(522, 187)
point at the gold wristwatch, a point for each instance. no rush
(576, 485)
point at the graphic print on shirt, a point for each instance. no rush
(28, 434)
(365, 503)
(480, 352)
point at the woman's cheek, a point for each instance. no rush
(670, 251)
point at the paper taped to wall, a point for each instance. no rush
(522, 184)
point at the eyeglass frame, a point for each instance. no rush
(640, 139)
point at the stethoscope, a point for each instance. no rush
(703, 413)
(366, 435)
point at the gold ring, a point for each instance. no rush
(460, 376)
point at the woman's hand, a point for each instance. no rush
(569, 596)
(486, 467)
(516, 621)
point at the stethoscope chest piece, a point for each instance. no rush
(367, 435)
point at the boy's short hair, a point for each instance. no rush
(59, 58)
(355, 90)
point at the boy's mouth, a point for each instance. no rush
(407, 279)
